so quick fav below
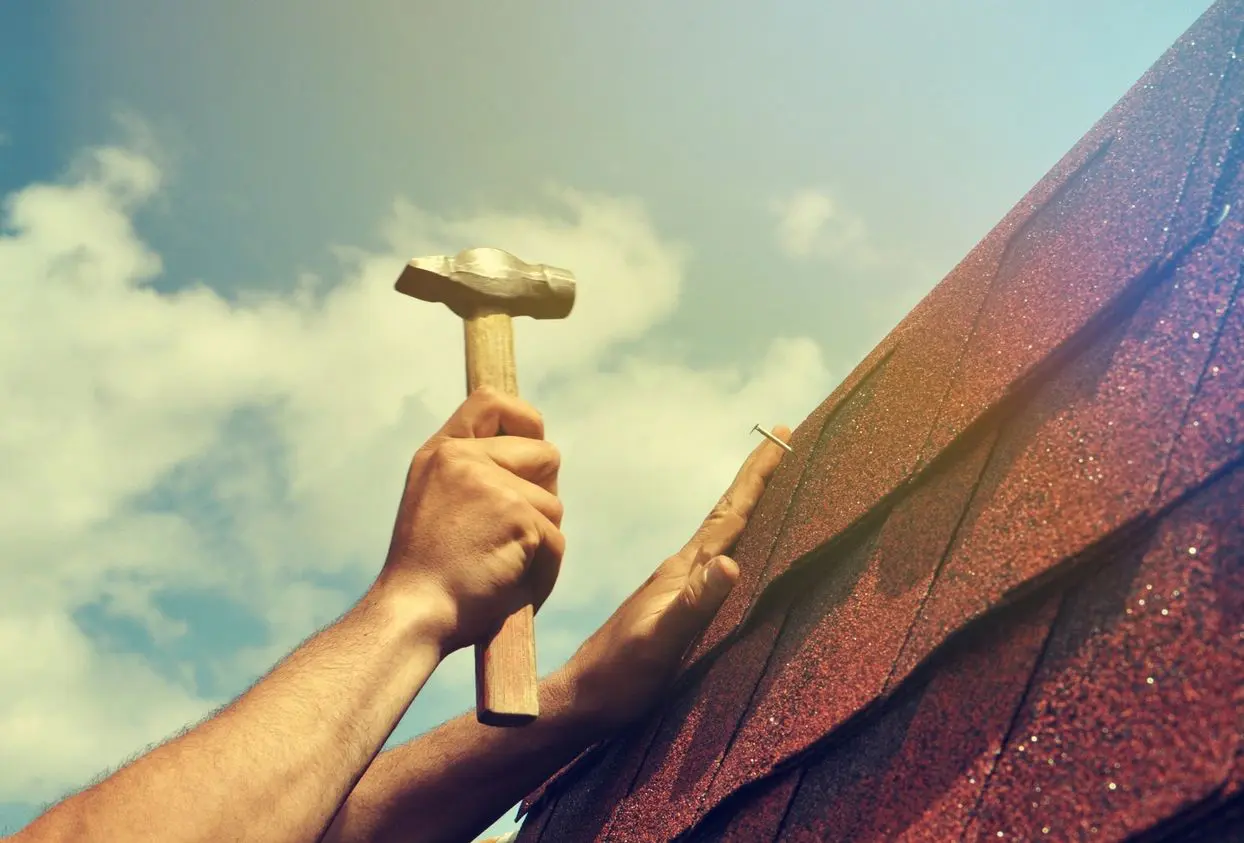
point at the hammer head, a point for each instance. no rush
(475, 282)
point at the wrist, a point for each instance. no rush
(417, 616)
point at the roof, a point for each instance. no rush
(997, 589)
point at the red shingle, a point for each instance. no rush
(590, 789)
(1213, 431)
(841, 639)
(1084, 455)
(1131, 717)
(1102, 232)
(757, 818)
(793, 705)
(1202, 200)
(693, 737)
(913, 772)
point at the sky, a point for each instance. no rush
(212, 391)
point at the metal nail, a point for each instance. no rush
(766, 434)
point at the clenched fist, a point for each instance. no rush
(478, 532)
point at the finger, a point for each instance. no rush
(546, 562)
(534, 460)
(542, 500)
(755, 472)
(488, 412)
(706, 588)
(719, 531)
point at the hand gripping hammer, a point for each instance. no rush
(486, 288)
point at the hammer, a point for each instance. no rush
(486, 287)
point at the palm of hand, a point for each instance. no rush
(622, 669)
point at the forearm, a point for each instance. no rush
(277, 763)
(453, 782)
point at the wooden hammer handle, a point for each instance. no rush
(505, 666)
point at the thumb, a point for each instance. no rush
(708, 584)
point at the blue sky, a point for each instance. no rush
(206, 206)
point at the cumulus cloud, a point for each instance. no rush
(253, 447)
(810, 223)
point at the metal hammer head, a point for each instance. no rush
(475, 282)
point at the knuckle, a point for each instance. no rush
(527, 535)
(453, 460)
(446, 453)
(487, 395)
(511, 502)
(552, 457)
(536, 417)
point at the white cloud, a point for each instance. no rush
(811, 224)
(274, 433)
(812, 228)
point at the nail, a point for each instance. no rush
(766, 434)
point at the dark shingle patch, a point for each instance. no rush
(913, 771)
(589, 791)
(695, 732)
(793, 705)
(756, 819)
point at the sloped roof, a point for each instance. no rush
(998, 589)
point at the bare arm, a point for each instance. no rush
(277, 763)
(453, 782)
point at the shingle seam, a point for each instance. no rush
(1232, 303)
(790, 804)
(1123, 305)
(1011, 241)
(1193, 488)
(1216, 193)
(695, 672)
(566, 776)
(1016, 715)
(651, 733)
(1215, 216)
(751, 700)
(1075, 570)
(550, 808)
(1235, 148)
(954, 534)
